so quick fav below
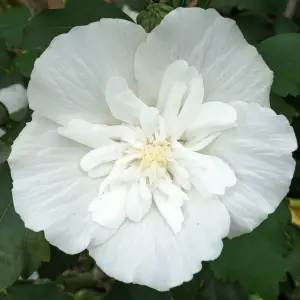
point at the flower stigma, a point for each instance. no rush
(154, 153)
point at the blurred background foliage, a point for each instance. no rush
(264, 264)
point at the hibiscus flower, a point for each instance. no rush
(149, 149)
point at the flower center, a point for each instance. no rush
(154, 153)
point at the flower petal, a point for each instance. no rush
(213, 117)
(14, 98)
(149, 120)
(101, 155)
(83, 132)
(259, 151)
(148, 252)
(190, 108)
(175, 74)
(123, 103)
(209, 174)
(170, 210)
(210, 49)
(50, 192)
(109, 209)
(69, 79)
(137, 206)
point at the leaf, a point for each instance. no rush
(255, 260)
(4, 116)
(135, 292)
(36, 292)
(12, 23)
(89, 295)
(4, 58)
(259, 6)
(189, 290)
(21, 250)
(59, 262)
(48, 24)
(214, 289)
(281, 107)
(281, 53)
(285, 25)
(26, 60)
(292, 260)
(254, 27)
(4, 152)
(153, 15)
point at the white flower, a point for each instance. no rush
(149, 149)
(14, 98)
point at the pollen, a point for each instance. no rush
(154, 153)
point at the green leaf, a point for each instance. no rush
(214, 289)
(4, 152)
(89, 295)
(266, 7)
(292, 260)
(36, 292)
(4, 116)
(59, 262)
(135, 292)
(285, 25)
(281, 107)
(25, 61)
(256, 260)
(13, 128)
(4, 58)
(21, 250)
(153, 15)
(281, 53)
(45, 26)
(189, 290)
(254, 27)
(12, 23)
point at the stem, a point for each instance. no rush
(290, 9)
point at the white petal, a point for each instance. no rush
(180, 175)
(50, 192)
(210, 49)
(145, 190)
(259, 151)
(136, 205)
(123, 103)
(175, 74)
(101, 155)
(109, 209)
(83, 132)
(14, 98)
(197, 146)
(148, 252)
(149, 120)
(213, 117)
(209, 174)
(100, 170)
(190, 108)
(69, 79)
(173, 105)
(170, 210)
(171, 190)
